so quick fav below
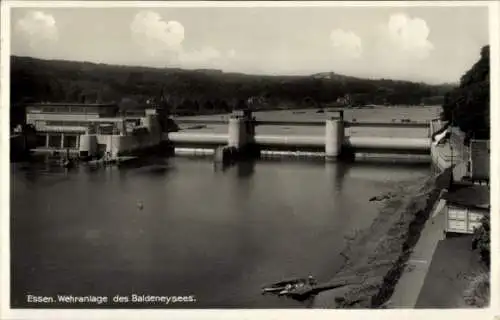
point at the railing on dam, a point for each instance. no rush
(312, 123)
(255, 122)
(379, 124)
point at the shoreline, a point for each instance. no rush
(380, 253)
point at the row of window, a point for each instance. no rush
(133, 122)
(54, 141)
(64, 110)
(68, 123)
(67, 109)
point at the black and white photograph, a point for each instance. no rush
(236, 155)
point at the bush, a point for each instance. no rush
(481, 240)
(477, 293)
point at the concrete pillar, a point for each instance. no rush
(46, 140)
(62, 140)
(224, 155)
(237, 136)
(334, 138)
(250, 129)
(121, 127)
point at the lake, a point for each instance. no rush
(190, 229)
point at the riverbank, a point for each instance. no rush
(379, 254)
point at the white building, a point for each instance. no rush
(62, 126)
(59, 125)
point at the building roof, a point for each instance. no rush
(469, 195)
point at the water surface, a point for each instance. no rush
(189, 229)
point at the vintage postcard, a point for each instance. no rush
(184, 158)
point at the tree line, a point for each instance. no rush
(200, 91)
(468, 105)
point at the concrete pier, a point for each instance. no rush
(240, 139)
(334, 138)
(225, 155)
(237, 133)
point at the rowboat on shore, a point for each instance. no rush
(301, 288)
(287, 286)
(67, 163)
(119, 161)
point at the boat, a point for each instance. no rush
(67, 163)
(127, 161)
(290, 288)
(301, 289)
(95, 162)
(273, 289)
(119, 161)
(287, 286)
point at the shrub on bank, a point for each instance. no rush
(477, 293)
(481, 240)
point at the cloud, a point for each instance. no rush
(346, 43)
(38, 28)
(409, 35)
(155, 35)
(163, 42)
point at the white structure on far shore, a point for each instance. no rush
(92, 130)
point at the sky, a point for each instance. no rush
(427, 44)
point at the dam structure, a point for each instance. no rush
(332, 145)
(101, 130)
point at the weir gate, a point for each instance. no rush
(241, 140)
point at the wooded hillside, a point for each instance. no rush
(201, 91)
(468, 105)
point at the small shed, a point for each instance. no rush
(466, 205)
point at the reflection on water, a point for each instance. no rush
(217, 234)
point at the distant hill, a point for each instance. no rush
(203, 91)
